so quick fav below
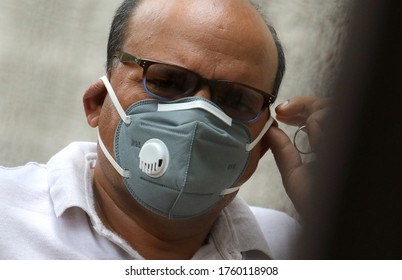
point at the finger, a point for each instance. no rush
(286, 156)
(315, 127)
(295, 174)
(296, 110)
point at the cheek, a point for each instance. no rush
(127, 84)
(132, 93)
(109, 117)
(255, 154)
(127, 92)
(251, 166)
(108, 121)
(109, 113)
(255, 128)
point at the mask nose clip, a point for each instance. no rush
(154, 158)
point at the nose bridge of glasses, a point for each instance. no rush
(203, 89)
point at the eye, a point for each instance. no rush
(160, 84)
(237, 101)
(164, 82)
(169, 81)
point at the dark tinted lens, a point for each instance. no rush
(170, 82)
(237, 101)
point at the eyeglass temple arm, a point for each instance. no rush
(125, 57)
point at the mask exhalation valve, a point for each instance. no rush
(154, 158)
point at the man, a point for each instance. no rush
(170, 64)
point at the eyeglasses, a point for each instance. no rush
(169, 82)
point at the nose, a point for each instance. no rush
(204, 92)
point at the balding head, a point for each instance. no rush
(210, 23)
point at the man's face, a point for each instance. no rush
(225, 40)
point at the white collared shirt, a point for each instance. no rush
(47, 212)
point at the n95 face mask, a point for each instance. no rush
(181, 157)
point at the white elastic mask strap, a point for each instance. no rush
(268, 124)
(249, 147)
(197, 104)
(230, 190)
(123, 172)
(126, 119)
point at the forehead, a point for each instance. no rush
(207, 36)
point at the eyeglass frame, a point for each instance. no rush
(124, 57)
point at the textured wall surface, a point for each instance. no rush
(52, 50)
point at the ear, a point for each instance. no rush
(93, 100)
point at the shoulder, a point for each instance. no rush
(267, 217)
(280, 230)
(23, 189)
(25, 176)
(24, 201)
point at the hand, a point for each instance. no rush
(305, 110)
(302, 110)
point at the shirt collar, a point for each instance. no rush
(70, 182)
(237, 235)
(69, 170)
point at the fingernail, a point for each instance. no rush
(284, 104)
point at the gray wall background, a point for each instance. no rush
(52, 50)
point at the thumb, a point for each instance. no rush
(295, 174)
(286, 156)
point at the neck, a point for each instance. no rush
(153, 236)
